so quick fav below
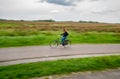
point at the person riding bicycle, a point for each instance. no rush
(64, 36)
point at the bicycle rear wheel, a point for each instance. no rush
(54, 44)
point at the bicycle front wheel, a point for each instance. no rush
(67, 43)
(54, 44)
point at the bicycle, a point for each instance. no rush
(57, 42)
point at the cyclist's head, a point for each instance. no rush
(64, 29)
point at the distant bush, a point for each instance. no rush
(88, 22)
(50, 20)
(2, 19)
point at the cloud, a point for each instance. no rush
(55, 11)
(62, 2)
(98, 0)
(61, 10)
(103, 11)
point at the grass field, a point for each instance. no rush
(55, 26)
(44, 38)
(26, 71)
(15, 33)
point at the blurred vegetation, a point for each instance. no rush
(38, 69)
(21, 33)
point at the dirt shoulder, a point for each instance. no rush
(106, 74)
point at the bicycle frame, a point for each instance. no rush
(57, 42)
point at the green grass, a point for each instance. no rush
(44, 37)
(38, 69)
(8, 24)
(95, 37)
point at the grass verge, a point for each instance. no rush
(44, 37)
(38, 69)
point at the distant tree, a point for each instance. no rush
(68, 21)
(22, 20)
(50, 20)
(83, 21)
(3, 19)
(88, 22)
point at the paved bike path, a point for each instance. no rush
(35, 52)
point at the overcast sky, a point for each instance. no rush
(61, 10)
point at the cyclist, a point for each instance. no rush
(64, 36)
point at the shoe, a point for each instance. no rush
(63, 44)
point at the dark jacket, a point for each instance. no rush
(64, 34)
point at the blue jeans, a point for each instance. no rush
(63, 39)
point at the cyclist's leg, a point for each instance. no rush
(62, 40)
